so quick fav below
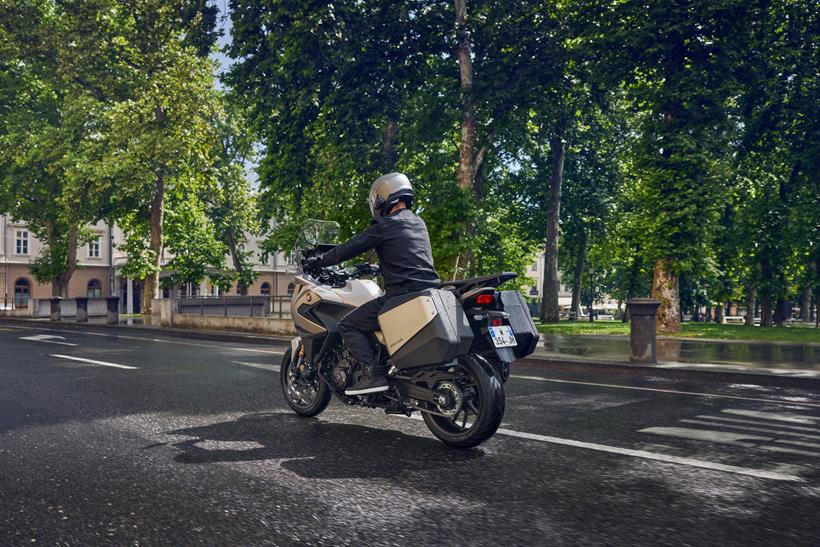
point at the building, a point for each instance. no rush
(100, 265)
(535, 276)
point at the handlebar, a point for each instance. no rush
(336, 276)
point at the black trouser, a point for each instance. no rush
(357, 329)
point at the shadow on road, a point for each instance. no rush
(317, 449)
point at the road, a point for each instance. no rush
(149, 440)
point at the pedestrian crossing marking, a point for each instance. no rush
(756, 430)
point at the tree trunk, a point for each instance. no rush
(578, 275)
(665, 288)
(151, 287)
(719, 317)
(550, 311)
(779, 312)
(765, 310)
(468, 123)
(389, 156)
(805, 303)
(237, 264)
(751, 293)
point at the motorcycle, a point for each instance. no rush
(448, 350)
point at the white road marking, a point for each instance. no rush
(658, 390)
(144, 339)
(692, 462)
(777, 432)
(48, 339)
(93, 362)
(757, 422)
(703, 464)
(774, 416)
(710, 435)
(799, 443)
(263, 366)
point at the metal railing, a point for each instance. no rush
(275, 306)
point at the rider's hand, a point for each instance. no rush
(312, 263)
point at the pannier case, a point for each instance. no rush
(425, 328)
(521, 322)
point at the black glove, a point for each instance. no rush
(312, 262)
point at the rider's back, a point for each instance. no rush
(405, 254)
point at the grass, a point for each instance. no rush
(800, 334)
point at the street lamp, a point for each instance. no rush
(591, 292)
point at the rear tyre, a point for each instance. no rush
(482, 407)
(304, 390)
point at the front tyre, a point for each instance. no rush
(480, 410)
(305, 392)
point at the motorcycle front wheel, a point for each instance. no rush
(305, 392)
(480, 411)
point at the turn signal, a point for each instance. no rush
(484, 299)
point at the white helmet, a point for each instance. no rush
(388, 190)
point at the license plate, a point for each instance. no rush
(503, 337)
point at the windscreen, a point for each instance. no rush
(313, 234)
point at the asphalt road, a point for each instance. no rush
(190, 442)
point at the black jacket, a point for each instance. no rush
(403, 245)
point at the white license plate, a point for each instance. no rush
(503, 337)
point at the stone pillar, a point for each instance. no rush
(112, 316)
(642, 330)
(129, 296)
(55, 307)
(82, 310)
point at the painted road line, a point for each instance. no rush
(710, 435)
(777, 432)
(144, 339)
(691, 462)
(659, 390)
(263, 366)
(758, 422)
(48, 339)
(773, 416)
(93, 362)
(736, 439)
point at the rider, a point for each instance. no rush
(403, 246)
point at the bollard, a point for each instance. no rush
(112, 316)
(82, 310)
(642, 330)
(55, 307)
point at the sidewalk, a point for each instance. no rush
(733, 360)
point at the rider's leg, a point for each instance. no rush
(356, 329)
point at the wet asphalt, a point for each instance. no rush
(195, 445)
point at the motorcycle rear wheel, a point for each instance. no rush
(482, 413)
(313, 397)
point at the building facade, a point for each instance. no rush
(535, 277)
(100, 264)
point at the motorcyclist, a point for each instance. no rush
(402, 244)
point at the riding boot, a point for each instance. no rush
(373, 380)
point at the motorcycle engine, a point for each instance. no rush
(340, 373)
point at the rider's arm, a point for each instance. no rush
(356, 245)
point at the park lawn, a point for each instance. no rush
(692, 330)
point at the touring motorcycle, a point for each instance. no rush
(448, 350)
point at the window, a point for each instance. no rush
(265, 289)
(535, 266)
(534, 290)
(21, 243)
(94, 289)
(94, 248)
(22, 292)
(291, 288)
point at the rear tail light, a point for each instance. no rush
(484, 299)
(497, 322)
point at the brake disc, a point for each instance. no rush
(453, 396)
